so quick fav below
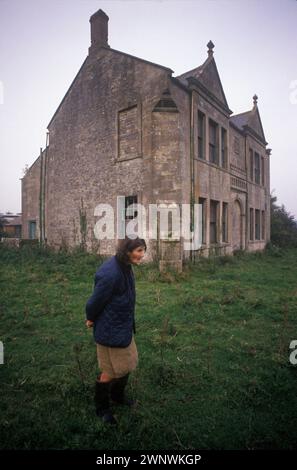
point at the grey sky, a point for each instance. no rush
(43, 44)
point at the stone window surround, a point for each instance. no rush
(125, 107)
(261, 168)
(262, 213)
(207, 118)
(220, 242)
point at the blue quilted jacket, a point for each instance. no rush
(112, 304)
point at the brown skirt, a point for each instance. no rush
(117, 362)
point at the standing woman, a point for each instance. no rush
(110, 311)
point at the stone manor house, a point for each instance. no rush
(127, 127)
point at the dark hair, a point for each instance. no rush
(127, 245)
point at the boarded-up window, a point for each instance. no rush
(128, 134)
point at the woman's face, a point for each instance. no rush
(136, 255)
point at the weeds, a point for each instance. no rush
(213, 344)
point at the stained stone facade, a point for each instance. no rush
(127, 127)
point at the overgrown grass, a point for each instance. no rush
(213, 344)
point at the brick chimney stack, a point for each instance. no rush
(99, 29)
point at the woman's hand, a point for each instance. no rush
(89, 323)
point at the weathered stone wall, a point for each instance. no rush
(30, 198)
(212, 181)
(114, 134)
(259, 194)
(239, 188)
(85, 162)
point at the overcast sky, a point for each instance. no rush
(43, 44)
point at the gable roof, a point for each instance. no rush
(84, 62)
(64, 97)
(207, 75)
(250, 121)
(141, 60)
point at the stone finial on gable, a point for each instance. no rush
(210, 46)
(255, 100)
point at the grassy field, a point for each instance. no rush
(214, 370)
